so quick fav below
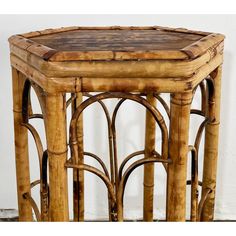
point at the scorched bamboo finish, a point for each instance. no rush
(130, 63)
(21, 148)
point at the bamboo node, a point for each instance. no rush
(148, 185)
(57, 153)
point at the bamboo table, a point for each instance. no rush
(130, 63)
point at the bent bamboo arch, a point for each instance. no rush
(116, 187)
(158, 117)
(42, 155)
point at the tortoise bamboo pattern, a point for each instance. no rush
(149, 62)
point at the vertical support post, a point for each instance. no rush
(178, 151)
(78, 175)
(148, 182)
(211, 146)
(55, 109)
(21, 148)
(194, 185)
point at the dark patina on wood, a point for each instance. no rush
(130, 63)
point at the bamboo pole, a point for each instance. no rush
(57, 154)
(148, 182)
(21, 148)
(211, 146)
(78, 175)
(178, 150)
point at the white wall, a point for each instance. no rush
(131, 126)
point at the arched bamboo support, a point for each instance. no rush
(125, 177)
(109, 126)
(105, 179)
(163, 103)
(33, 116)
(202, 203)
(73, 98)
(38, 142)
(42, 156)
(99, 160)
(112, 172)
(124, 162)
(34, 183)
(33, 204)
(123, 96)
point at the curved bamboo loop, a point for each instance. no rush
(203, 96)
(33, 205)
(202, 202)
(155, 154)
(33, 131)
(26, 101)
(114, 132)
(33, 116)
(129, 157)
(97, 98)
(95, 171)
(124, 179)
(133, 97)
(99, 160)
(197, 112)
(34, 183)
(108, 118)
(210, 87)
(110, 135)
(113, 128)
(163, 103)
(42, 155)
(37, 140)
(201, 112)
(134, 154)
(44, 200)
(199, 134)
(71, 99)
(158, 117)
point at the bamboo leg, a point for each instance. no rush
(55, 109)
(211, 147)
(78, 175)
(21, 148)
(178, 150)
(148, 182)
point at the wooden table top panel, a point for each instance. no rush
(116, 40)
(122, 43)
(110, 58)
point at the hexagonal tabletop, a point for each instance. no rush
(116, 43)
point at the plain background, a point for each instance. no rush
(130, 127)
